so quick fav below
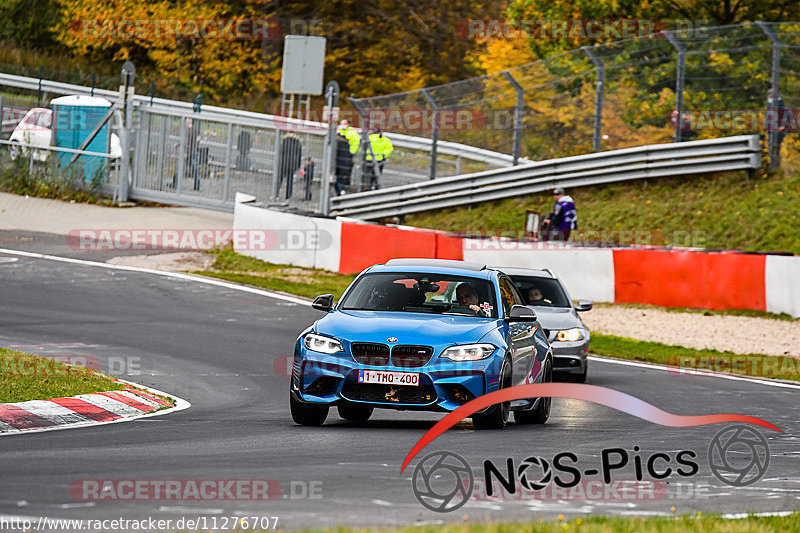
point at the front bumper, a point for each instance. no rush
(570, 357)
(444, 385)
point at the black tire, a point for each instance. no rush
(541, 413)
(581, 378)
(497, 415)
(307, 414)
(354, 412)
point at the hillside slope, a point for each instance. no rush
(710, 211)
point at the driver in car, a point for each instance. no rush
(468, 297)
(535, 296)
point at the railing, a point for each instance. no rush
(712, 155)
(170, 167)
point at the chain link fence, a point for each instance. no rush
(674, 85)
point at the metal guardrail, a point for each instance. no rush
(712, 155)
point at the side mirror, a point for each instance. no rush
(323, 302)
(521, 313)
(584, 305)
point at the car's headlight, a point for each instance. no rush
(321, 344)
(570, 335)
(469, 352)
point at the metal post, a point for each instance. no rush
(772, 135)
(39, 91)
(126, 102)
(598, 97)
(93, 80)
(679, 82)
(435, 133)
(1, 118)
(181, 155)
(228, 162)
(275, 166)
(162, 153)
(328, 149)
(518, 108)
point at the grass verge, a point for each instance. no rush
(756, 365)
(695, 523)
(26, 377)
(306, 282)
(707, 211)
(785, 317)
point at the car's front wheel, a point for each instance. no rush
(354, 412)
(307, 414)
(496, 417)
(541, 413)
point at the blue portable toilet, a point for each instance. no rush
(76, 117)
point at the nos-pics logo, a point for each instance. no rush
(443, 481)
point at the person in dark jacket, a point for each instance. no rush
(308, 176)
(344, 164)
(562, 220)
(289, 161)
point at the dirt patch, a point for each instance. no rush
(173, 262)
(739, 334)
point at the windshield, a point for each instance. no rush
(422, 293)
(541, 292)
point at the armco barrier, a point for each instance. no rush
(675, 278)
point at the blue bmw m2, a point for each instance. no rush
(421, 334)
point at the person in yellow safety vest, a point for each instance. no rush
(352, 136)
(381, 148)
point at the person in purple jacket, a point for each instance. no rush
(562, 220)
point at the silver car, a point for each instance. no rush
(568, 335)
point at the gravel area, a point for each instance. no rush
(739, 334)
(173, 262)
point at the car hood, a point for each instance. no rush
(408, 328)
(557, 317)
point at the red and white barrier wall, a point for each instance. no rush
(675, 278)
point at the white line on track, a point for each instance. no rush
(695, 373)
(302, 301)
(176, 275)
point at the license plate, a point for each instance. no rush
(388, 378)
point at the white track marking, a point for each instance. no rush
(176, 275)
(297, 300)
(180, 405)
(53, 412)
(109, 404)
(135, 397)
(695, 373)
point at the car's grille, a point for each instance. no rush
(370, 353)
(379, 393)
(322, 386)
(411, 356)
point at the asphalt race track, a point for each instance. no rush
(217, 348)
